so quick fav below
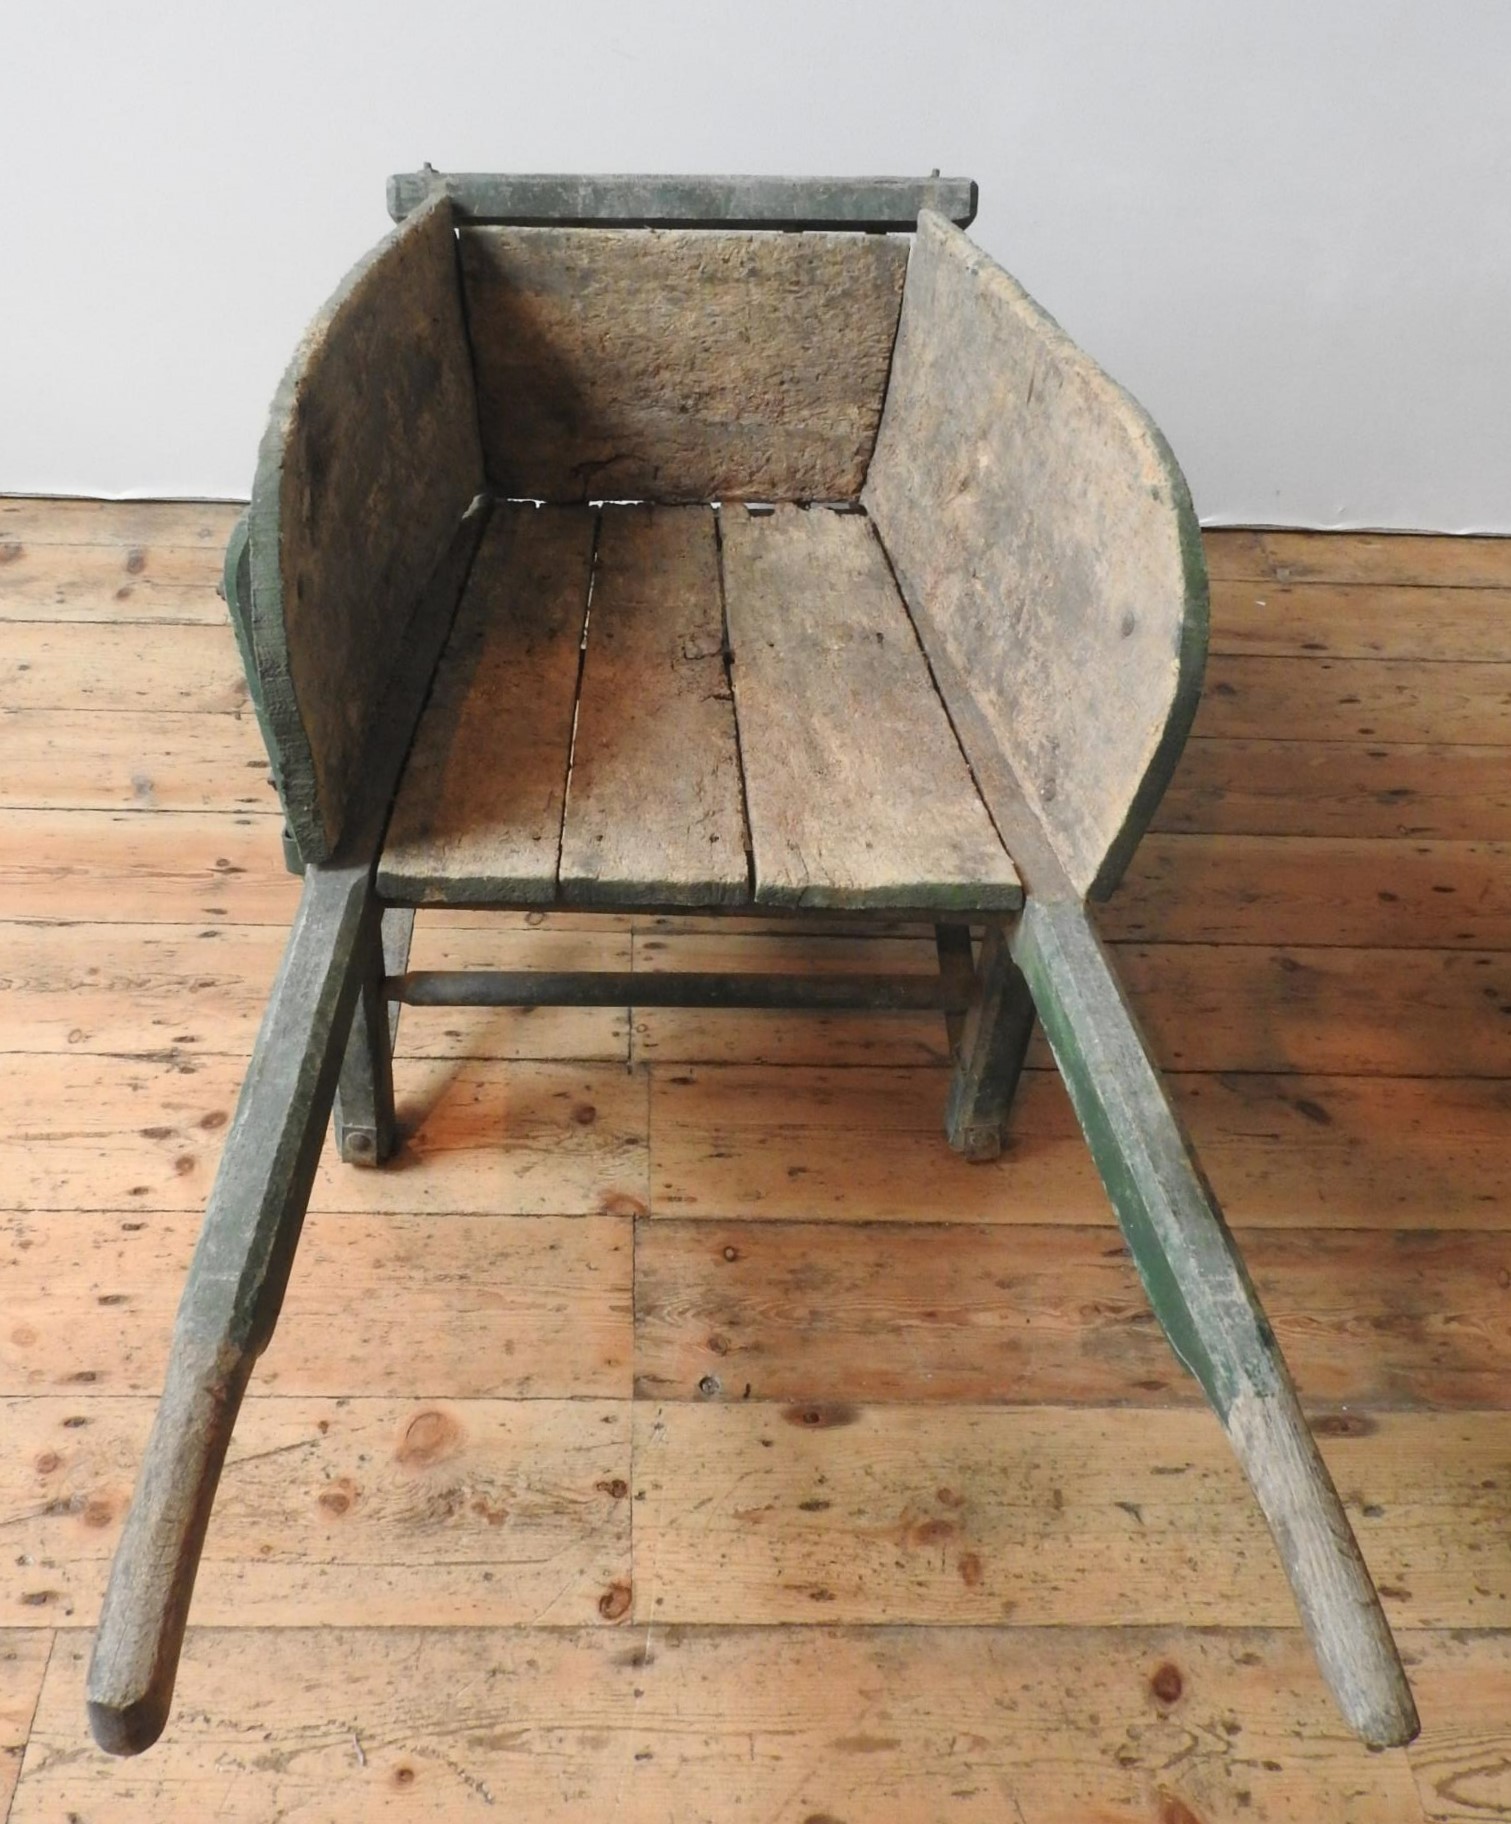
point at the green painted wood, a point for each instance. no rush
(687, 202)
(675, 988)
(1045, 542)
(370, 459)
(230, 1304)
(1202, 1294)
(993, 1043)
(363, 1119)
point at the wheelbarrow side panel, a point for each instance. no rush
(1070, 647)
(370, 459)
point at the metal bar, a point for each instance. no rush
(601, 988)
(839, 203)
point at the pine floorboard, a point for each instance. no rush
(677, 1430)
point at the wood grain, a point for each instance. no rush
(654, 812)
(1054, 1316)
(479, 811)
(792, 1144)
(679, 365)
(1071, 658)
(431, 1306)
(61, 759)
(480, 1138)
(514, 1498)
(70, 666)
(24, 1654)
(1359, 620)
(858, 792)
(369, 462)
(792, 1725)
(822, 1512)
(1363, 700)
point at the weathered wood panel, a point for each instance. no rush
(515, 1500)
(679, 365)
(803, 1145)
(827, 1512)
(654, 810)
(369, 461)
(479, 810)
(431, 1306)
(857, 789)
(865, 1312)
(981, 1725)
(687, 202)
(1075, 626)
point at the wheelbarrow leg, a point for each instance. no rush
(366, 1131)
(991, 1046)
(230, 1304)
(1201, 1292)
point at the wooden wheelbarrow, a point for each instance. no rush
(729, 544)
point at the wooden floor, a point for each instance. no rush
(678, 1431)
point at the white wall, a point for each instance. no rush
(1286, 225)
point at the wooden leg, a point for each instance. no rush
(1201, 1292)
(230, 1305)
(366, 1132)
(990, 1050)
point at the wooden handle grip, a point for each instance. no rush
(141, 1632)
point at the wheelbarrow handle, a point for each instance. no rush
(1202, 1294)
(230, 1304)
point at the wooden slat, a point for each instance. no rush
(429, 1306)
(60, 665)
(103, 867)
(1359, 620)
(680, 365)
(479, 811)
(1315, 890)
(836, 1513)
(1339, 788)
(1051, 1315)
(794, 1144)
(654, 812)
(514, 1500)
(198, 988)
(103, 585)
(1387, 557)
(132, 760)
(23, 1661)
(688, 202)
(53, 520)
(980, 1725)
(1070, 659)
(1366, 700)
(491, 1139)
(857, 789)
(1462, 1760)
